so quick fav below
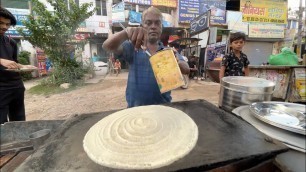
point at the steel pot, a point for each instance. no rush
(237, 91)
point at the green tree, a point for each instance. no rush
(53, 31)
(24, 58)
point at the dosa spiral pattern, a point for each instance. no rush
(144, 137)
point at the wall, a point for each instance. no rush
(86, 54)
(49, 7)
(204, 36)
(27, 46)
(258, 52)
(94, 49)
(96, 23)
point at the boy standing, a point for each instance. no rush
(235, 63)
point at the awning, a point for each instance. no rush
(185, 41)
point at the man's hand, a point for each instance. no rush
(10, 64)
(137, 36)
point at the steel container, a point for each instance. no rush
(237, 91)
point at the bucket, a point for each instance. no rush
(237, 91)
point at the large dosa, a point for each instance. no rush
(144, 137)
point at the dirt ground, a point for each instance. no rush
(107, 94)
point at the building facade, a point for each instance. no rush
(250, 16)
(95, 29)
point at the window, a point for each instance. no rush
(101, 7)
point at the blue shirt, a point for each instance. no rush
(142, 88)
(95, 58)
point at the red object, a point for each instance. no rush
(81, 36)
(101, 24)
(41, 59)
(173, 38)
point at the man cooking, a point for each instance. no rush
(142, 88)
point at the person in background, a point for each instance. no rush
(193, 67)
(235, 63)
(95, 57)
(11, 85)
(142, 88)
(110, 63)
(178, 54)
(117, 67)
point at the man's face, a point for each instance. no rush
(5, 24)
(238, 44)
(153, 24)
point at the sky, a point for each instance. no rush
(295, 3)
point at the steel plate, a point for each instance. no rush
(288, 116)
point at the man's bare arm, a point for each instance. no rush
(113, 43)
(136, 35)
(221, 73)
(246, 71)
(13, 65)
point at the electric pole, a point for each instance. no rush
(299, 35)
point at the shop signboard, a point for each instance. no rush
(20, 15)
(217, 10)
(190, 9)
(267, 11)
(266, 31)
(118, 13)
(41, 59)
(217, 50)
(14, 33)
(165, 3)
(238, 27)
(140, 2)
(300, 82)
(81, 36)
(135, 19)
(234, 16)
(82, 27)
(200, 23)
(48, 65)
